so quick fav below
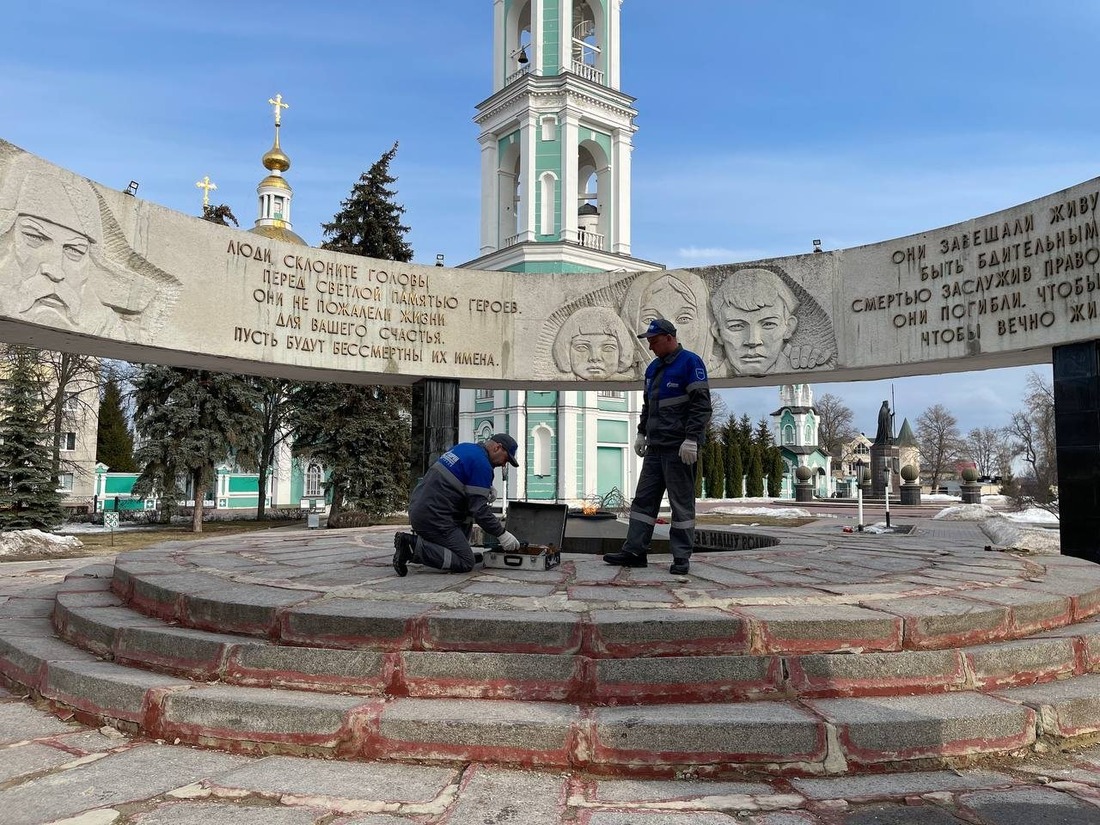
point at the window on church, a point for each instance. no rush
(788, 434)
(549, 128)
(610, 394)
(314, 479)
(548, 190)
(483, 395)
(543, 447)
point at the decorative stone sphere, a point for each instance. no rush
(803, 473)
(909, 473)
(970, 475)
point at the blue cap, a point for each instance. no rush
(509, 444)
(659, 326)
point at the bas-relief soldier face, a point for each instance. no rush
(754, 339)
(594, 356)
(50, 261)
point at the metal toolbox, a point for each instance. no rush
(528, 557)
(541, 528)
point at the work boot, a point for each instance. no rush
(402, 552)
(624, 559)
(679, 567)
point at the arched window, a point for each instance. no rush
(788, 434)
(543, 443)
(314, 478)
(548, 190)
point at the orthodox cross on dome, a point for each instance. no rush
(206, 185)
(277, 102)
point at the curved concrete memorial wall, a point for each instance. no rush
(93, 269)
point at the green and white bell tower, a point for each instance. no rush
(556, 140)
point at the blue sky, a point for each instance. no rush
(762, 125)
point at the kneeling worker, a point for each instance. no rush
(454, 492)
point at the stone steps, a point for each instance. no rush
(589, 668)
(94, 619)
(801, 736)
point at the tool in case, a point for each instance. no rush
(540, 528)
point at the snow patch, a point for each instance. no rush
(32, 542)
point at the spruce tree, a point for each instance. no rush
(190, 421)
(28, 486)
(361, 435)
(114, 441)
(369, 220)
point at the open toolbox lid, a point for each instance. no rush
(537, 523)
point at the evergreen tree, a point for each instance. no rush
(716, 471)
(776, 471)
(361, 436)
(28, 484)
(754, 484)
(369, 221)
(114, 441)
(736, 474)
(220, 214)
(189, 422)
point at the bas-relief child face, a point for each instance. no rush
(594, 356)
(51, 264)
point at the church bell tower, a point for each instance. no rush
(556, 140)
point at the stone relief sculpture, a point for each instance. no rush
(680, 297)
(595, 345)
(763, 322)
(64, 261)
(749, 321)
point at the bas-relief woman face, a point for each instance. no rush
(662, 301)
(594, 356)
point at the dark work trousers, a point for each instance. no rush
(443, 547)
(663, 470)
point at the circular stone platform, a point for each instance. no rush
(831, 652)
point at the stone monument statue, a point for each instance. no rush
(884, 456)
(884, 436)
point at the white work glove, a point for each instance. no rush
(689, 451)
(508, 542)
(639, 444)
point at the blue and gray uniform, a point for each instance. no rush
(454, 493)
(676, 407)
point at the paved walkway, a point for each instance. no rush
(56, 771)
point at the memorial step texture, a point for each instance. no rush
(621, 674)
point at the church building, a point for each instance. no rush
(556, 142)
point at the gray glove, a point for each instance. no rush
(639, 444)
(508, 542)
(689, 451)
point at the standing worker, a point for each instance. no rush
(675, 413)
(454, 493)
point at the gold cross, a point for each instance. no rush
(206, 185)
(277, 102)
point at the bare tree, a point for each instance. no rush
(1031, 430)
(939, 441)
(985, 447)
(834, 424)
